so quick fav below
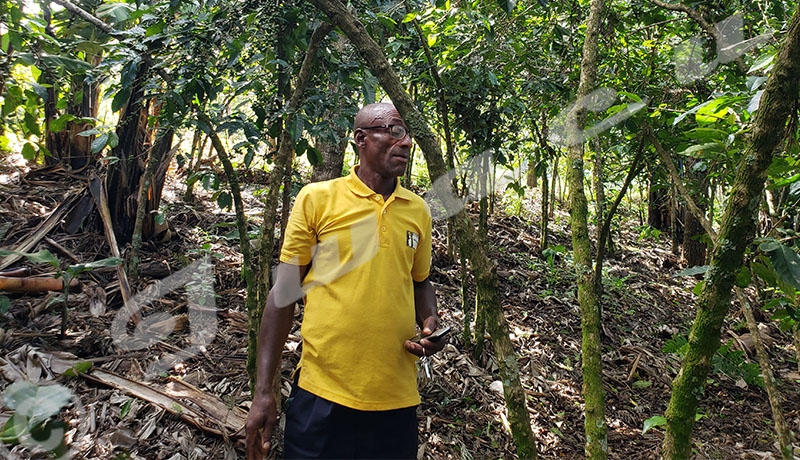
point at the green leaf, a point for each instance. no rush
(156, 28)
(762, 62)
(707, 134)
(120, 99)
(432, 38)
(641, 384)
(787, 265)
(15, 427)
(60, 123)
(5, 304)
(99, 143)
(32, 124)
(70, 64)
(37, 403)
(113, 139)
(507, 5)
(743, 277)
(107, 262)
(41, 90)
(765, 273)
(698, 288)
(90, 132)
(28, 151)
(409, 17)
(314, 156)
(691, 271)
(697, 150)
(40, 257)
(125, 408)
(654, 421)
(768, 246)
(117, 11)
(632, 96)
(224, 200)
(78, 369)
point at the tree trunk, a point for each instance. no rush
(188, 195)
(694, 247)
(773, 394)
(675, 222)
(466, 307)
(79, 151)
(596, 446)
(736, 233)
(482, 266)
(605, 229)
(599, 190)
(146, 190)
(658, 215)
(124, 176)
(281, 168)
(543, 223)
(332, 155)
(286, 198)
(554, 186)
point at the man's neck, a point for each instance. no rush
(379, 184)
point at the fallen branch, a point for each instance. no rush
(34, 284)
(190, 404)
(17, 272)
(64, 251)
(98, 190)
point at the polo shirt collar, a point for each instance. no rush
(359, 188)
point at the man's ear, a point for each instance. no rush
(359, 136)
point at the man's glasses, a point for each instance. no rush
(397, 131)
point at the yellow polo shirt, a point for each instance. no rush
(359, 295)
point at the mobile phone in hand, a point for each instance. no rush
(435, 337)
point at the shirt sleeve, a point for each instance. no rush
(422, 257)
(301, 234)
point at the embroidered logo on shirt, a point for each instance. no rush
(412, 239)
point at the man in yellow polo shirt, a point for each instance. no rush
(358, 248)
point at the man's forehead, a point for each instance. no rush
(378, 114)
(390, 118)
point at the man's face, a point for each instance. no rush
(379, 151)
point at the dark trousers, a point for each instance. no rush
(320, 429)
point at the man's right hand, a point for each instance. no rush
(259, 425)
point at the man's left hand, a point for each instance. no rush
(426, 347)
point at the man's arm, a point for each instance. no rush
(275, 325)
(427, 319)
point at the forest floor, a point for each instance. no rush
(462, 414)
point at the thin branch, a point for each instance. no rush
(440, 93)
(86, 16)
(709, 28)
(633, 171)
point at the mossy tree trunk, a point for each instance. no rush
(735, 235)
(469, 241)
(596, 446)
(157, 153)
(554, 186)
